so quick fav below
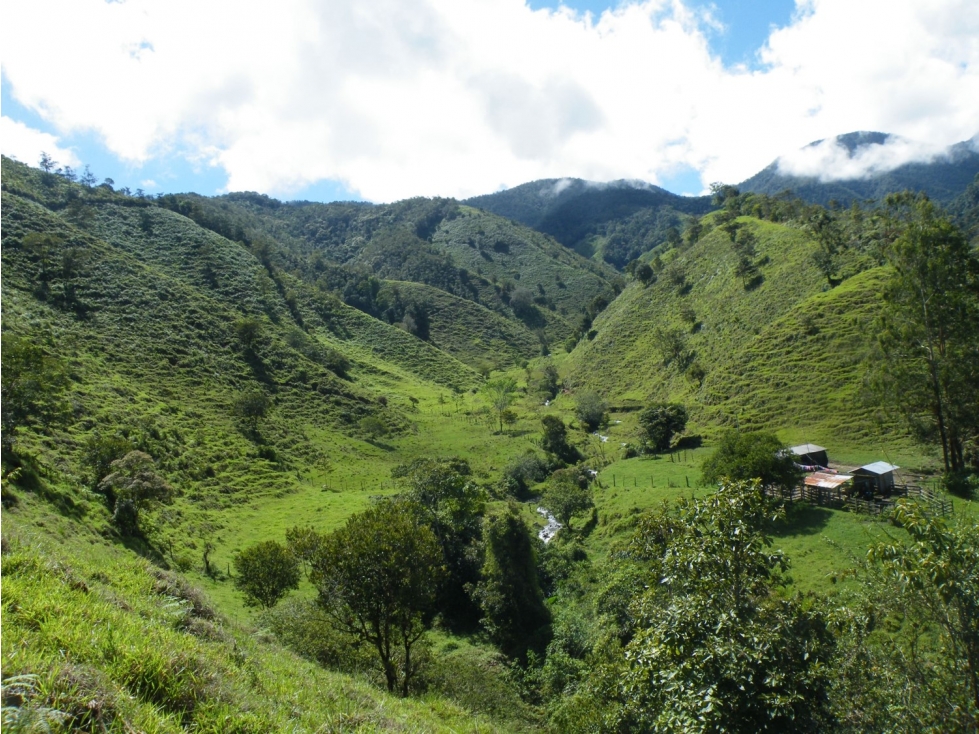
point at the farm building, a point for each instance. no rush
(810, 454)
(826, 487)
(877, 477)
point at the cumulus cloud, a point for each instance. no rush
(26, 144)
(395, 98)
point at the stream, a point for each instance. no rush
(550, 530)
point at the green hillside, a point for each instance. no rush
(469, 332)
(784, 352)
(346, 248)
(96, 639)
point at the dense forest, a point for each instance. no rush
(520, 463)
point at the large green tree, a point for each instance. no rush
(131, 486)
(751, 455)
(715, 649)
(568, 494)
(509, 592)
(929, 330)
(452, 505)
(659, 423)
(378, 577)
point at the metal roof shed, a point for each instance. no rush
(810, 453)
(878, 476)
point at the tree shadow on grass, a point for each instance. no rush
(379, 444)
(803, 519)
(139, 545)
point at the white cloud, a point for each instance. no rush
(829, 160)
(396, 98)
(26, 144)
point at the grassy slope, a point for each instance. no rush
(118, 644)
(168, 382)
(363, 236)
(468, 331)
(499, 249)
(787, 355)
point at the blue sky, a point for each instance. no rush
(349, 99)
(746, 23)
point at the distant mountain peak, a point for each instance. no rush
(856, 140)
(868, 165)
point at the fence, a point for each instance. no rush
(933, 502)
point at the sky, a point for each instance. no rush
(380, 100)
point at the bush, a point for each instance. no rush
(659, 423)
(265, 572)
(591, 409)
(521, 473)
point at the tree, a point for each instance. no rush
(88, 179)
(249, 332)
(714, 649)
(929, 331)
(746, 270)
(644, 274)
(672, 345)
(501, 394)
(555, 440)
(935, 575)
(751, 455)
(509, 592)
(522, 303)
(304, 543)
(100, 451)
(46, 162)
(567, 494)
(452, 505)
(590, 409)
(251, 406)
(378, 577)
(265, 572)
(131, 486)
(659, 423)
(548, 383)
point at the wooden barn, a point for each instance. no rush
(876, 478)
(809, 454)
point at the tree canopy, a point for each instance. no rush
(265, 572)
(378, 577)
(929, 330)
(750, 455)
(659, 423)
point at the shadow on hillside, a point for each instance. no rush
(803, 519)
(379, 444)
(139, 545)
(754, 282)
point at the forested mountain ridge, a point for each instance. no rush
(349, 249)
(613, 222)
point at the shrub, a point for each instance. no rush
(265, 572)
